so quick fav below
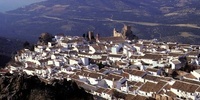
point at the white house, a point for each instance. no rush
(39, 48)
(176, 64)
(153, 59)
(99, 91)
(114, 81)
(196, 73)
(30, 64)
(147, 89)
(138, 47)
(96, 55)
(43, 62)
(122, 64)
(29, 70)
(94, 78)
(107, 94)
(96, 48)
(73, 61)
(115, 49)
(135, 75)
(154, 71)
(115, 57)
(13, 66)
(67, 69)
(85, 60)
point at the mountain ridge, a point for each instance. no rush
(165, 20)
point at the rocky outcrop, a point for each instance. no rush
(24, 87)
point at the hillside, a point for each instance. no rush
(24, 87)
(168, 20)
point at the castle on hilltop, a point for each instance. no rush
(126, 33)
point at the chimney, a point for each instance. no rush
(97, 37)
(90, 35)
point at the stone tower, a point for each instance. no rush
(116, 34)
(126, 31)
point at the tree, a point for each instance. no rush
(26, 45)
(45, 38)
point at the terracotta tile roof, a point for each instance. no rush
(96, 75)
(172, 45)
(159, 86)
(152, 69)
(139, 97)
(135, 57)
(147, 87)
(170, 94)
(133, 88)
(189, 75)
(124, 74)
(129, 97)
(110, 91)
(103, 70)
(83, 53)
(131, 83)
(113, 77)
(75, 77)
(98, 47)
(191, 81)
(155, 78)
(16, 64)
(198, 90)
(100, 90)
(181, 73)
(152, 56)
(194, 53)
(3, 71)
(30, 68)
(138, 84)
(115, 55)
(135, 72)
(183, 86)
(138, 45)
(175, 54)
(44, 60)
(167, 87)
(113, 39)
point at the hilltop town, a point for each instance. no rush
(121, 66)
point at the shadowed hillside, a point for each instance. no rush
(24, 87)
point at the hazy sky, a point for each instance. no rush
(6, 5)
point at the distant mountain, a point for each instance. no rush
(168, 20)
(9, 46)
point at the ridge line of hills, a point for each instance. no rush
(178, 19)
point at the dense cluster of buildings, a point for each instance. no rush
(115, 67)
